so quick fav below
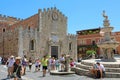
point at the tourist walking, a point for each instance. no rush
(44, 62)
(17, 69)
(49, 64)
(37, 65)
(9, 64)
(24, 64)
(30, 63)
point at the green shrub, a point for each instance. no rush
(90, 52)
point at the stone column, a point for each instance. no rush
(108, 55)
(67, 62)
(20, 43)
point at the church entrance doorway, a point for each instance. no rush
(54, 51)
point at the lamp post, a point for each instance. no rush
(3, 41)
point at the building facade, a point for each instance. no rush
(44, 33)
(88, 39)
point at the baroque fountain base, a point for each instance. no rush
(108, 60)
(112, 68)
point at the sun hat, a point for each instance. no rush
(18, 57)
(11, 56)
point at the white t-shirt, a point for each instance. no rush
(11, 62)
(62, 59)
(50, 61)
(101, 67)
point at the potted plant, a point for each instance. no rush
(91, 52)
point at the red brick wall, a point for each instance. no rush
(11, 39)
(90, 37)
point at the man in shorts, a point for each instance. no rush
(44, 62)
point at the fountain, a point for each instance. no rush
(108, 44)
(111, 63)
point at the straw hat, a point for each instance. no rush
(18, 57)
(11, 56)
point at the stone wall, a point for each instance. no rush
(46, 28)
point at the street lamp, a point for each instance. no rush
(3, 41)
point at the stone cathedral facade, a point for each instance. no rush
(44, 33)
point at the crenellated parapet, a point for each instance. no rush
(71, 36)
(8, 18)
(50, 11)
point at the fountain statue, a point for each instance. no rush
(107, 44)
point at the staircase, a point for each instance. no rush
(112, 70)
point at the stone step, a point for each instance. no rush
(85, 72)
(80, 71)
(87, 67)
(106, 64)
(83, 66)
(112, 75)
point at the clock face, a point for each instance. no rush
(54, 16)
(54, 38)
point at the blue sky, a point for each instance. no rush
(82, 14)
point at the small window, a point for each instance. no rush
(4, 30)
(70, 46)
(32, 45)
(93, 43)
(29, 28)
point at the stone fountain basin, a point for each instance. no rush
(108, 44)
(90, 62)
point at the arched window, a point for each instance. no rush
(32, 45)
(29, 28)
(4, 30)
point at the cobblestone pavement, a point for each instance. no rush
(38, 76)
